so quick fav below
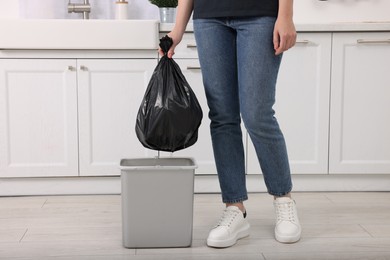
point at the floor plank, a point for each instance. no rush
(336, 225)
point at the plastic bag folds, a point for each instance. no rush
(169, 115)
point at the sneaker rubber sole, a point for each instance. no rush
(288, 239)
(243, 232)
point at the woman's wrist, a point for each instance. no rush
(179, 29)
(184, 11)
(285, 9)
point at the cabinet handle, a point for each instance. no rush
(362, 41)
(71, 68)
(83, 68)
(302, 42)
(191, 45)
(193, 68)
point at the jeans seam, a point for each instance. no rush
(241, 199)
(279, 194)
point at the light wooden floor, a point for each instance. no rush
(335, 226)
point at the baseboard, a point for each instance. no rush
(203, 184)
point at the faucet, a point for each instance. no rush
(80, 8)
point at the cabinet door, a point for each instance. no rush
(202, 150)
(302, 104)
(360, 107)
(38, 118)
(110, 93)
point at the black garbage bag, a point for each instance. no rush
(170, 115)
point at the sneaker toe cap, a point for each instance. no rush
(287, 228)
(219, 233)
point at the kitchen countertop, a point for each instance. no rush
(55, 34)
(308, 27)
(77, 34)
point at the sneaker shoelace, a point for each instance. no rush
(285, 211)
(227, 217)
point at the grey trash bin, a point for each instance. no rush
(157, 202)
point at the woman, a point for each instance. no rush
(240, 45)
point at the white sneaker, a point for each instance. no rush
(231, 227)
(287, 229)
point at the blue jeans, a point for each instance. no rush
(239, 69)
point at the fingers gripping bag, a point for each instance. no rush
(169, 115)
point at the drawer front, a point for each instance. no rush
(186, 48)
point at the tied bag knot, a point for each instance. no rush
(166, 43)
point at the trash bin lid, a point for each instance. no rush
(158, 163)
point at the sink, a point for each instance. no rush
(63, 34)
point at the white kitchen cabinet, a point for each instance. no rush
(360, 103)
(202, 150)
(110, 93)
(186, 56)
(70, 117)
(302, 105)
(38, 118)
(71, 114)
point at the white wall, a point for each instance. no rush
(9, 8)
(57, 9)
(306, 11)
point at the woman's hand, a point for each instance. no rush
(285, 35)
(184, 10)
(284, 30)
(176, 38)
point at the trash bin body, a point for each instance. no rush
(157, 202)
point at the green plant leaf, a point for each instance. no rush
(164, 3)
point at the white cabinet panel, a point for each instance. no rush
(202, 150)
(302, 104)
(110, 93)
(187, 47)
(38, 118)
(360, 107)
